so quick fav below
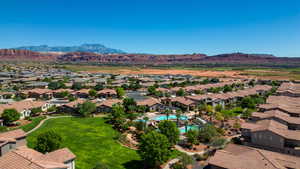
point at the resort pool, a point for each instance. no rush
(189, 127)
(171, 117)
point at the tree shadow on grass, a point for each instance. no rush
(134, 164)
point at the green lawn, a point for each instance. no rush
(35, 121)
(92, 141)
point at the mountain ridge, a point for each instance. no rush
(148, 59)
(86, 47)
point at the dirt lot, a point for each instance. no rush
(272, 74)
(207, 73)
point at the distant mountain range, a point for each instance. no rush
(231, 59)
(94, 48)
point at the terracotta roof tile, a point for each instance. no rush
(26, 158)
(242, 157)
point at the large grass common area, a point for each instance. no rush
(92, 141)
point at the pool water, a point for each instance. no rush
(171, 117)
(189, 127)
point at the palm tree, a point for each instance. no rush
(219, 116)
(201, 108)
(145, 122)
(186, 126)
(178, 115)
(209, 111)
(167, 112)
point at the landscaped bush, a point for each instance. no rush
(202, 157)
(218, 142)
(28, 118)
(221, 131)
(236, 140)
(207, 133)
(185, 159)
(3, 129)
(48, 141)
(178, 165)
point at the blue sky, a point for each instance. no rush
(156, 26)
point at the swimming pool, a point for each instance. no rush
(171, 117)
(189, 127)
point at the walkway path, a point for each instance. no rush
(43, 121)
(169, 163)
(179, 148)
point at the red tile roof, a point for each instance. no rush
(26, 158)
(242, 157)
(22, 105)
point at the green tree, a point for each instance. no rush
(180, 92)
(71, 98)
(47, 80)
(218, 108)
(218, 142)
(227, 88)
(10, 115)
(52, 109)
(129, 104)
(192, 137)
(207, 133)
(246, 114)
(219, 116)
(56, 85)
(35, 111)
(76, 86)
(167, 112)
(92, 92)
(117, 117)
(48, 141)
(186, 124)
(178, 115)
(209, 111)
(154, 148)
(152, 90)
(146, 119)
(99, 87)
(185, 159)
(252, 83)
(86, 108)
(120, 92)
(201, 109)
(248, 102)
(170, 130)
(62, 94)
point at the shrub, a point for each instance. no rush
(86, 108)
(48, 141)
(10, 115)
(202, 157)
(3, 129)
(218, 142)
(178, 165)
(192, 137)
(207, 133)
